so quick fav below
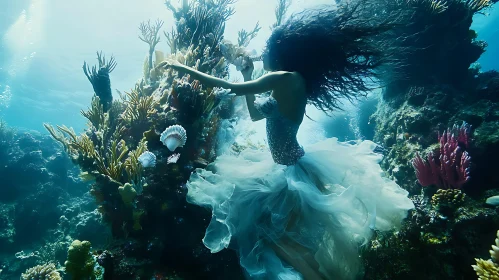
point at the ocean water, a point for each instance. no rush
(44, 43)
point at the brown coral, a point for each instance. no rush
(45, 271)
(486, 270)
(448, 199)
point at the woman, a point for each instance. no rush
(302, 213)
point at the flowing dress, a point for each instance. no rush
(322, 204)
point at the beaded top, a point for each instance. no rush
(281, 133)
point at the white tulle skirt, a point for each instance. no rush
(312, 215)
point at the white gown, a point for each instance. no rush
(316, 205)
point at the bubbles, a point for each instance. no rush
(5, 96)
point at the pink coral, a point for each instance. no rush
(448, 168)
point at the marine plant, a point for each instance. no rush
(280, 12)
(149, 34)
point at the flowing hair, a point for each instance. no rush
(341, 51)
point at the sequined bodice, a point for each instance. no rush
(281, 133)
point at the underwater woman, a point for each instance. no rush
(302, 213)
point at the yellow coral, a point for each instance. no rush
(494, 253)
(133, 166)
(80, 263)
(45, 271)
(450, 198)
(127, 193)
(95, 114)
(489, 269)
(486, 270)
(139, 106)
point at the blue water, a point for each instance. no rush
(43, 45)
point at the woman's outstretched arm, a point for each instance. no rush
(267, 82)
(255, 115)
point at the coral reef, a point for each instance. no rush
(42, 204)
(140, 201)
(442, 89)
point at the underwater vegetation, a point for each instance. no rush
(438, 124)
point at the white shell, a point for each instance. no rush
(147, 159)
(173, 137)
(173, 158)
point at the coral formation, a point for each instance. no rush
(439, 90)
(450, 167)
(80, 263)
(121, 152)
(99, 78)
(445, 201)
(489, 269)
(42, 272)
(149, 35)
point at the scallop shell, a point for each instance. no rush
(173, 137)
(147, 159)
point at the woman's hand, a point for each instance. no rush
(170, 63)
(248, 70)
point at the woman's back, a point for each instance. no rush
(284, 111)
(291, 97)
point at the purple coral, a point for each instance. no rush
(448, 168)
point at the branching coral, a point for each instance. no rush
(198, 19)
(100, 79)
(280, 12)
(489, 269)
(134, 168)
(106, 161)
(449, 168)
(111, 164)
(46, 272)
(95, 114)
(244, 37)
(149, 34)
(139, 106)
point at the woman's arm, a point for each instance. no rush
(255, 115)
(263, 84)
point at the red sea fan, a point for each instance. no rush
(448, 168)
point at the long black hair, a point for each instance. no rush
(339, 50)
